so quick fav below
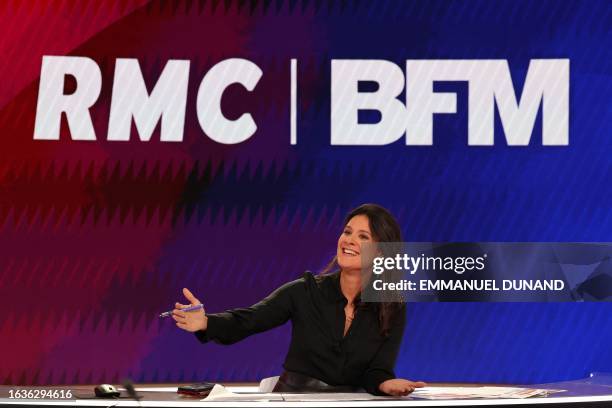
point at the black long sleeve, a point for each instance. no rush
(381, 367)
(315, 306)
(234, 325)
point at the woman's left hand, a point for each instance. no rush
(399, 386)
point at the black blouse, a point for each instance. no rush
(315, 306)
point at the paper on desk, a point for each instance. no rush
(220, 393)
(444, 393)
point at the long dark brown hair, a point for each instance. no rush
(384, 228)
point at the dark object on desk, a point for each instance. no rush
(196, 390)
(106, 391)
(131, 391)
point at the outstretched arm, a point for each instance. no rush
(233, 325)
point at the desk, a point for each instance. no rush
(592, 393)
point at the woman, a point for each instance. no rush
(338, 342)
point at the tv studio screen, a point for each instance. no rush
(306, 203)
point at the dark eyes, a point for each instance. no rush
(361, 236)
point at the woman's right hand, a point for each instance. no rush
(190, 321)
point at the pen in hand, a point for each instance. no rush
(187, 309)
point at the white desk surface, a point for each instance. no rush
(168, 398)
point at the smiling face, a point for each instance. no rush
(356, 232)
